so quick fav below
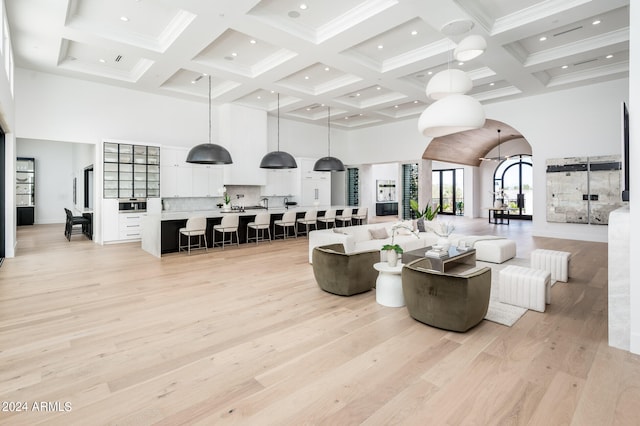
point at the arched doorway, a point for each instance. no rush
(514, 178)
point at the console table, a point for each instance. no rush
(500, 215)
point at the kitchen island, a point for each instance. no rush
(160, 231)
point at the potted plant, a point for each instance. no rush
(428, 214)
(393, 249)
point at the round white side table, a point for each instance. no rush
(389, 285)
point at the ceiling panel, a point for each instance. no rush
(370, 61)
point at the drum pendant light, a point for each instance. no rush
(329, 163)
(209, 153)
(278, 159)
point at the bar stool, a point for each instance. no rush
(72, 221)
(310, 218)
(260, 223)
(228, 225)
(361, 215)
(288, 221)
(329, 217)
(345, 217)
(195, 227)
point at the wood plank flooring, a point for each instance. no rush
(245, 336)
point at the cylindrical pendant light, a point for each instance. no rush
(209, 153)
(451, 114)
(278, 159)
(329, 163)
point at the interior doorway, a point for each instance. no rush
(514, 178)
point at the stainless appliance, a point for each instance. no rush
(130, 205)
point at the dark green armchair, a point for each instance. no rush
(450, 302)
(344, 274)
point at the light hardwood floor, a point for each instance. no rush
(245, 336)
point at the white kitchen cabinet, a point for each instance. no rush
(314, 187)
(280, 182)
(207, 180)
(243, 131)
(110, 224)
(176, 175)
(130, 226)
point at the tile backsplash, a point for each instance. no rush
(250, 196)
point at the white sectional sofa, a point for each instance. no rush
(358, 238)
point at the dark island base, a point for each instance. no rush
(169, 230)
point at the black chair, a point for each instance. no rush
(73, 221)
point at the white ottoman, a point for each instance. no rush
(526, 287)
(495, 251)
(553, 261)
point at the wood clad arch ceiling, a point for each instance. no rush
(467, 147)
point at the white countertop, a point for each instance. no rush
(178, 215)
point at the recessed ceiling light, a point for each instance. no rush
(306, 77)
(380, 46)
(543, 38)
(308, 109)
(326, 68)
(124, 19)
(492, 84)
(204, 74)
(564, 67)
(252, 41)
(430, 72)
(259, 97)
(378, 88)
(460, 64)
(102, 61)
(415, 102)
(234, 54)
(346, 118)
(396, 106)
(303, 6)
(357, 94)
(609, 56)
(273, 91)
(596, 22)
(414, 32)
(193, 82)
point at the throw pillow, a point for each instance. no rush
(378, 233)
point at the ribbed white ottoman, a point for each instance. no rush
(526, 287)
(556, 262)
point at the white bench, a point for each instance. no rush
(526, 287)
(553, 261)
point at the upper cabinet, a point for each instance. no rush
(131, 170)
(182, 179)
(243, 131)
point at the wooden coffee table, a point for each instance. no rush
(456, 260)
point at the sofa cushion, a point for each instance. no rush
(378, 233)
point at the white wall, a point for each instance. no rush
(306, 140)
(7, 121)
(634, 196)
(52, 107)
(54, 177)
(568, 123)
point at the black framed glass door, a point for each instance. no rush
(514, 178)
(448, 191)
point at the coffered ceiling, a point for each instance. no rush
(369, 60)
